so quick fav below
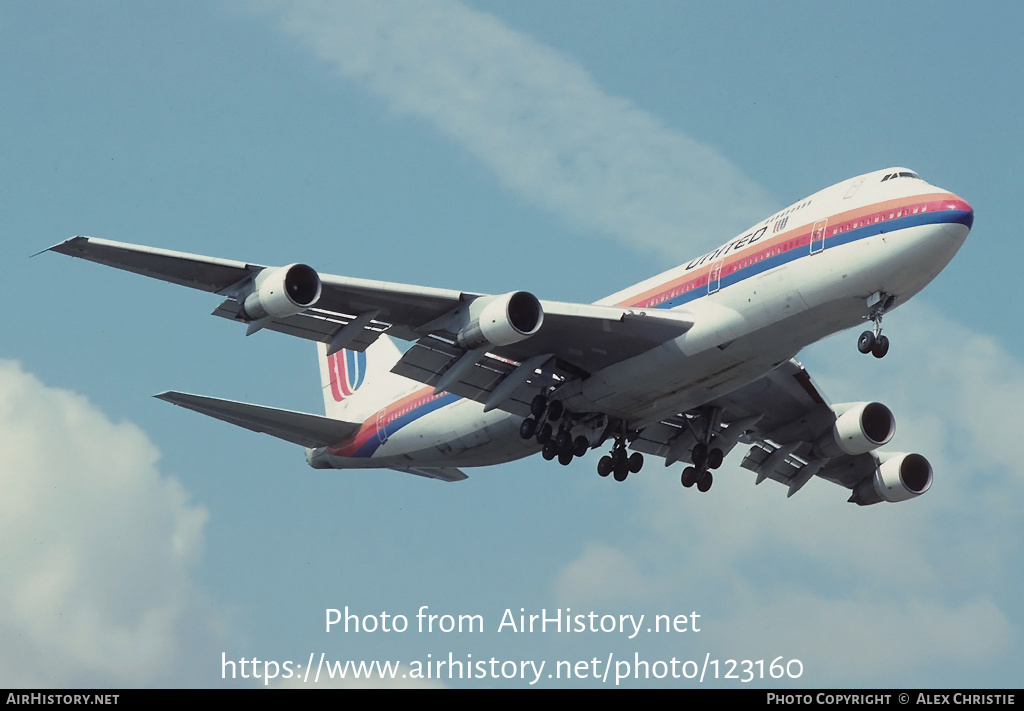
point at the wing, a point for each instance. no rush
(795, 434)
(491, 348)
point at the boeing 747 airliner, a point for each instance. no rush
(684, 366)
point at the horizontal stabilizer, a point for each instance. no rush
(296, 427)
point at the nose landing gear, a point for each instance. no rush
(874, 342)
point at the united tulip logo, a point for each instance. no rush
(347, 369)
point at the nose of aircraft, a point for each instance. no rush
(960, 214)
(968, 218)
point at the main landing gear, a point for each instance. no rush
(874, 342)
(704, 458)
(705, 455)
(551, 425)
(558, 443)
(617, 462)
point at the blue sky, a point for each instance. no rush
(569, 149)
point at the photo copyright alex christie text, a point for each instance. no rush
(543, 621)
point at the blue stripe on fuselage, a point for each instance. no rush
(962, 217)
(371, 445)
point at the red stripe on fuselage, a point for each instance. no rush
(392, 412)
(699, 275)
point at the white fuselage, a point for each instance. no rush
(793, 279)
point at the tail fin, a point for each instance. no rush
(357, 385)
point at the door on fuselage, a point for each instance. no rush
(818, 236)
(715, 277)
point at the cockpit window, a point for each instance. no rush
(902, 174)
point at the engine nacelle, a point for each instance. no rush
(501, 320)
(898, 477)
(282, 291)
(860, 427)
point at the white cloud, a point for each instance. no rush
(861, 592)
(96, 547)
(535, 118)
(601, 574)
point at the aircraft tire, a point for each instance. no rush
(705, 482)
(565, 458)
(555, 410)
(550, 451)
(881, 347)
(605, 466)
(699, 456)
(866, 342)
(528, 428)
(635, 462)
(689, 476)
(621, 471)
(564, 441)
(715, 458)
(580, 446)
(544, 433)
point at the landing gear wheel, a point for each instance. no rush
(635, 462)
(689, 476)
(550, 451)
(866, 342)
(538, 406)
(565, 458)
(621, 470)
(580, 446)
(705, 482)
(699, 456)
(564, 442)
(881, 347)
(544, 433)
(715, 458)
(555, 410)
(528, 428)
(605, 465)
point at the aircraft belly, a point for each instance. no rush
(459, 435)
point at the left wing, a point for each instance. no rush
(796, 434)
(468, 344)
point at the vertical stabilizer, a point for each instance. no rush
(358, 385)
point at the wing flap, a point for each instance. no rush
(297, 427)
(592, 337)
(431, 357)
(313, 324)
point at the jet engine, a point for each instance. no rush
(898, 477)
(860, 427)
(501, 320)
(282, 291)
